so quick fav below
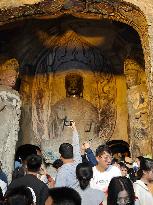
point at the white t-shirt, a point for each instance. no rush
(3, 186)
(101, 180)
(142, 192)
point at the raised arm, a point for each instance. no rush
(76, 144)
(90, 155)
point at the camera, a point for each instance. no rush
(68, 122)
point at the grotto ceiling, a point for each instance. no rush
(121, 11)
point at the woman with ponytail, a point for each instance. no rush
(90, 196)
(142, 186)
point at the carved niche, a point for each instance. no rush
(94, 111)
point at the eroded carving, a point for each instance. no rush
(137, 106)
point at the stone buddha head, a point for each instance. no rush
(74, 85)
(132, 72)
(9, 72)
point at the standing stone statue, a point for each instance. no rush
(10, 104)
(137, 107)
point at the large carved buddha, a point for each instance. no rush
(73, 107)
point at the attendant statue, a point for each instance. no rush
(137, 106)
(10, 104)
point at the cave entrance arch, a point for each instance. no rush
(113, 10)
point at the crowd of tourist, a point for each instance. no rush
(94, 178)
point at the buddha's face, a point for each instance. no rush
(8, 78)
(73, 85)
(131, 78)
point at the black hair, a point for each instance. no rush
(18, 196)
(140, 158)
(65, 196)
(66, 150)
(123, 165)
(57, 163)
(114, 160)
(26, 150)
(84, 173)
(146, 164)
(34, 163)
(118, 184)
(101, 149)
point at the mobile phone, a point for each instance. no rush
(68, 122)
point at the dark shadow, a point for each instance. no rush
(85, 56)
(119, 146)
(25, 150)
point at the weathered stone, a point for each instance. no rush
(10, 104)
(40, 93)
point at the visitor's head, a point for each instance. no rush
(26, 150)
(66, 151)
(57, 164)
(124, 169)
(129, 162)
(138, 160)
(19, 196)
(84, 174)
(146, 167)
(103, 156)
(63, 196)
(34, 163)
(120, 191)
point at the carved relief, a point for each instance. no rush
(41, 97)
(105, 102)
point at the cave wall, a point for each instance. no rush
(71, 48)
(126, 10)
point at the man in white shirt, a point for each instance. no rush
(103, 172)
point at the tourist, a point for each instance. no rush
(30, 180)
(141, 186)
(3, 176)
(19, 196)
(71, 156)
(121, 192)
(103, 172)
(63, 196)
(129, 163)
(22, 153)
(90, 196)
(124, 169)
(137, 166)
